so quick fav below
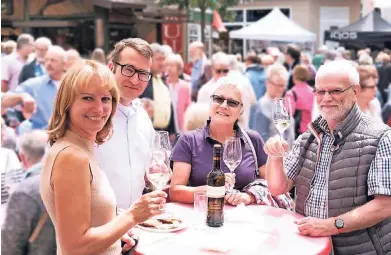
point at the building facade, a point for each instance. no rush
(314, 15)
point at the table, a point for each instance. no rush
(258, 230)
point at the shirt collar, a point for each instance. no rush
(34, 170)
(131, 109)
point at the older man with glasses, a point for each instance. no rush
(341, 168)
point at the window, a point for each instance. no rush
(257, 14)
(233, 16)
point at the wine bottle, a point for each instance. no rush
(215, 191)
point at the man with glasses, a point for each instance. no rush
(220, 68)
(341, 168)
(261, 119)
(124, 157)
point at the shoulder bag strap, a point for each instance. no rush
(41, 222)
(252, 150)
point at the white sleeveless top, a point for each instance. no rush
(103, 202)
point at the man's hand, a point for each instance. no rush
(315, 227)
(29, 105)
(275, 147)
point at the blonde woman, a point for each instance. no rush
(75, 191)
(179, 89)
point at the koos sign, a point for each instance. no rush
(343, 35)
(173, 34)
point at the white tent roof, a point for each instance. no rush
(274, 27)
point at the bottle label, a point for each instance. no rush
(215, 192)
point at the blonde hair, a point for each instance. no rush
(301, 73)
(196, 116)
(175, 59)
(75, 80)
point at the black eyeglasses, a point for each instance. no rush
(220, 100)
(219, 71)
(129, 71)
(333, 92)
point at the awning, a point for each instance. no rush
(218, 22)
(120, 4)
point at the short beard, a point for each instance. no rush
(340, 114)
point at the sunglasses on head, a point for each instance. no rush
(219, 71)
(220, 100)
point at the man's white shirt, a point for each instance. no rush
(125, 156)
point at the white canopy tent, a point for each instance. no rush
(274, 27)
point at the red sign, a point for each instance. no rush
(173, 34)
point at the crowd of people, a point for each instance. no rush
(66, 118)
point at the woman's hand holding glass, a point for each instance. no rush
(148, 206)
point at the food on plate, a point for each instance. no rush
(162, 224)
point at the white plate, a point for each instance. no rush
(182, 226)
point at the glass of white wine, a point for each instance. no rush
(282, 116)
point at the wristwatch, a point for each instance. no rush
(339, 224)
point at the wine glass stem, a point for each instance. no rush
(282, 136)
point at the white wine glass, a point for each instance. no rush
(162, 141)
(282, 116)
(232, 155)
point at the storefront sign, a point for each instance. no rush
(173, 35)
(343, 35)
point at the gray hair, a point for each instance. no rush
(44, 40)
(158, 49)
(277, 69)
(233, 81)
(167, 49)
(197, 44)
(337, 67)
(59, 50)
(33, 145)
(24, 39)
(220, 58)
(365, 60)
(233, 62)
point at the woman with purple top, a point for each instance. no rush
(192, 155)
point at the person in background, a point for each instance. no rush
(36, 67)
(158, 92)
(72, 58)
(12, 64)
(201, 70)
(266, 61)
(306, 60)
(318, 59)
(26, 212)
(384, 72)
(192, 155)
(302, 99)
(340, 168)
(262, 112)
(71, 175)
(220, 68)
(99, 56)
(38, 94)
(180, 91)
(241, 65)
(133, 132)
(292, 58)
(196, 116)
(255, 72)
(9, 47)
(147, 104)
(365, 60)
(367, 100)
(236, 74)
(10, 166)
